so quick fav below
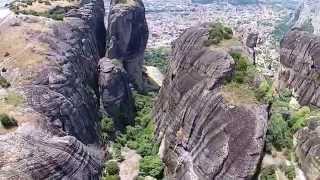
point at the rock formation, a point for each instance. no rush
(308, 149)
(203, 135)
(300, 66)
(307, 17)
(252, 40)
(300, 71)
(115, 93)
(127, 36)
(58, 133)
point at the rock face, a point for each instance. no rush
(61, 110)
(31, 153)
(307, 16)
(127, 36)
(300, 72)
(300, 66)
(252, 40)
(115, 93)
(202, 135)
(308, 149)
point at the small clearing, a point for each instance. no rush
(129, 168)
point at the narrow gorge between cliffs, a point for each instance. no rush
(154, 90)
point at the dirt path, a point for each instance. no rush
(129, 168)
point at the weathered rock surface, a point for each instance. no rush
(252, 40)
(202, 135)
(300, 72)
(31, 153)
(307, 16)
(308, 149)
(61, 110)
(127, 36)
(115, 93)
(300, 66)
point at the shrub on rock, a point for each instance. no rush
(7, 121)
(112, 168)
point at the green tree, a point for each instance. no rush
(107, 128)
(278, 133)
(112, 168)
(151, 166)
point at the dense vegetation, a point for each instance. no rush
(217, 33)
(158, 57)
(107, 129)
(286, 120)
(139, 137)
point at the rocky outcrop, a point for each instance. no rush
(307, 17)
(308, 149)
(58, 133)
(31, 153)
(203, 135)
(127, 36)
(300, 66)
(252, 40)
(300, 71)
(115, 93)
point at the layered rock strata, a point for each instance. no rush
(300, 66)
(127, 36)
(308, 149)
(300, 72)
(203, 135)
(57, 77)
(307, 17)
(115, 92)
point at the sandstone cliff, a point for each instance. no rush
(300, 63)
(53, 67)
(307, 16)
(307, 149)
(300, 72)
(127, 36)
(203, 134)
